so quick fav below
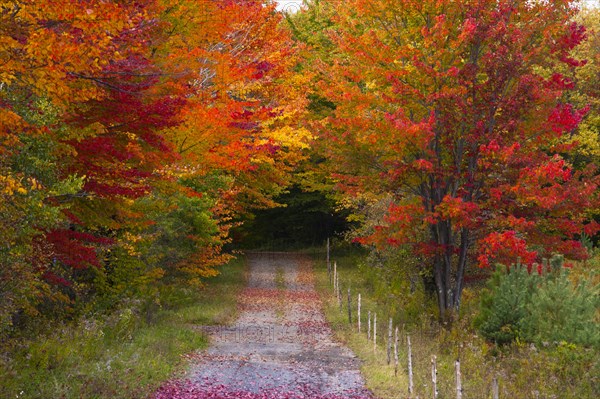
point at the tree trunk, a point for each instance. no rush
(460, 272)
(448, 267)
(440, 286)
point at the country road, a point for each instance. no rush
(280, 346)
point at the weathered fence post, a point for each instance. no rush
(349, 307)
(328, 262)
(339, 293)
(335, 276)
(375, 333)
(389, 342)
(410, 367)
(434, 376)
(458, 379)
(396, 352)
(358, 313)
(369, 326)
(495, 389)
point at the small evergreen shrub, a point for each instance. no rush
(504, 306)
(561, 311)
(543, 309)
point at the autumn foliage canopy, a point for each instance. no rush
(134, 134)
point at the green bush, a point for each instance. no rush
(504, 306)
(561, 311)
(546, 309)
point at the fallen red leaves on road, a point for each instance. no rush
(185, 389)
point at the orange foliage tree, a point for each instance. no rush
(132, 133)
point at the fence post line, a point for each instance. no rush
(434, 376)
(396, 352)
(410, 367)
(369, 326)
(358, 313)
(458, 379)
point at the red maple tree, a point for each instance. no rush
(455, 110)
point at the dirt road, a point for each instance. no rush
(280, 347)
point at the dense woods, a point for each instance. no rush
(133, 134)
(138, 138)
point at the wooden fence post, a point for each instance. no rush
(495, 389)
(369, 326)
(358, 313)
(375, 332)
(434, 376)
(410, 367)
(396, 352)
(349, 307)
(458, 379)
(339, 293)
(328, 262)
(335, 276)
(389, 342)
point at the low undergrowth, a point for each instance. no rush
(125, 353)
(523, 370)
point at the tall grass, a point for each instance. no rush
(125, 353)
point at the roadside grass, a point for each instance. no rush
(523, 371)
(279, 278)
(379, 376)
(126, 354)
(280, 285)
